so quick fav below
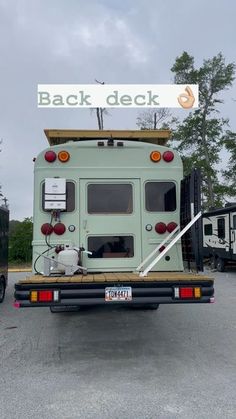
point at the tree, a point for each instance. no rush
(230, 172)
(155, 119)
(20, 240)
(202, 134)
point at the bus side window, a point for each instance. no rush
(70, 196)
(160, 196)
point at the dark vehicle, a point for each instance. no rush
(4, 230)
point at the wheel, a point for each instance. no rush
(2, 289)
(212, 262)
(220, 265)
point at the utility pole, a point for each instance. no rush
(100, 111)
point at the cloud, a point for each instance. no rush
(107, 33)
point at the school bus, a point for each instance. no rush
(107, 223)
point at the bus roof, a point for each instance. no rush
(62, 136)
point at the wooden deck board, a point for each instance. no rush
(117, 277)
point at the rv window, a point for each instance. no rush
(160, 196)
(110, 198)
(221, 228)
(111, 247)
(70, 196)
(208, 229)
(234, 222)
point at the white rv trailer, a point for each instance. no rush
(219, 236)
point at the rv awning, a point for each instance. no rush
(61, 136)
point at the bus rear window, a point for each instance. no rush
(111, 246)
(110, 198)
(160, 196)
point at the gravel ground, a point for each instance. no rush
(177, 362)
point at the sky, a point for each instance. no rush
(59, 41)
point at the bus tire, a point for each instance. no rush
(2, 289)
(213, 262)
(220, 265)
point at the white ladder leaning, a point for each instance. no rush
(168, 247)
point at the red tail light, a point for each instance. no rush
(171, 226)
(59, 229)
(45, 296)
(50, 156)
(168, 156)
(47, 229)
(160, 228)
(186, 292)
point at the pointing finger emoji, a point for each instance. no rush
(186, 100)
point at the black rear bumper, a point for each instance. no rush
(85, 294)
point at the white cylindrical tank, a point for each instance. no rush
(69, 257)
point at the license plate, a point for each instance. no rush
(118, 294)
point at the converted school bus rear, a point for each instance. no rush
(105, 200)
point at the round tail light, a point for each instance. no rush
(46, 229)
(155, 156)
(50, 156)
(168, 156)
(160, 228)
(59, 229)
(171, 226)
(63, 156)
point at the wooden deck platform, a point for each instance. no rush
(117, 277)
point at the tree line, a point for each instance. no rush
(204, 133)
(20, 241)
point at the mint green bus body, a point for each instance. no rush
(116, 167)
(103, 202)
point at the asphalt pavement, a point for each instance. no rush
(176, 362)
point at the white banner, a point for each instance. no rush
(118, 96)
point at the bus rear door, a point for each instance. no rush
(110, 223)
